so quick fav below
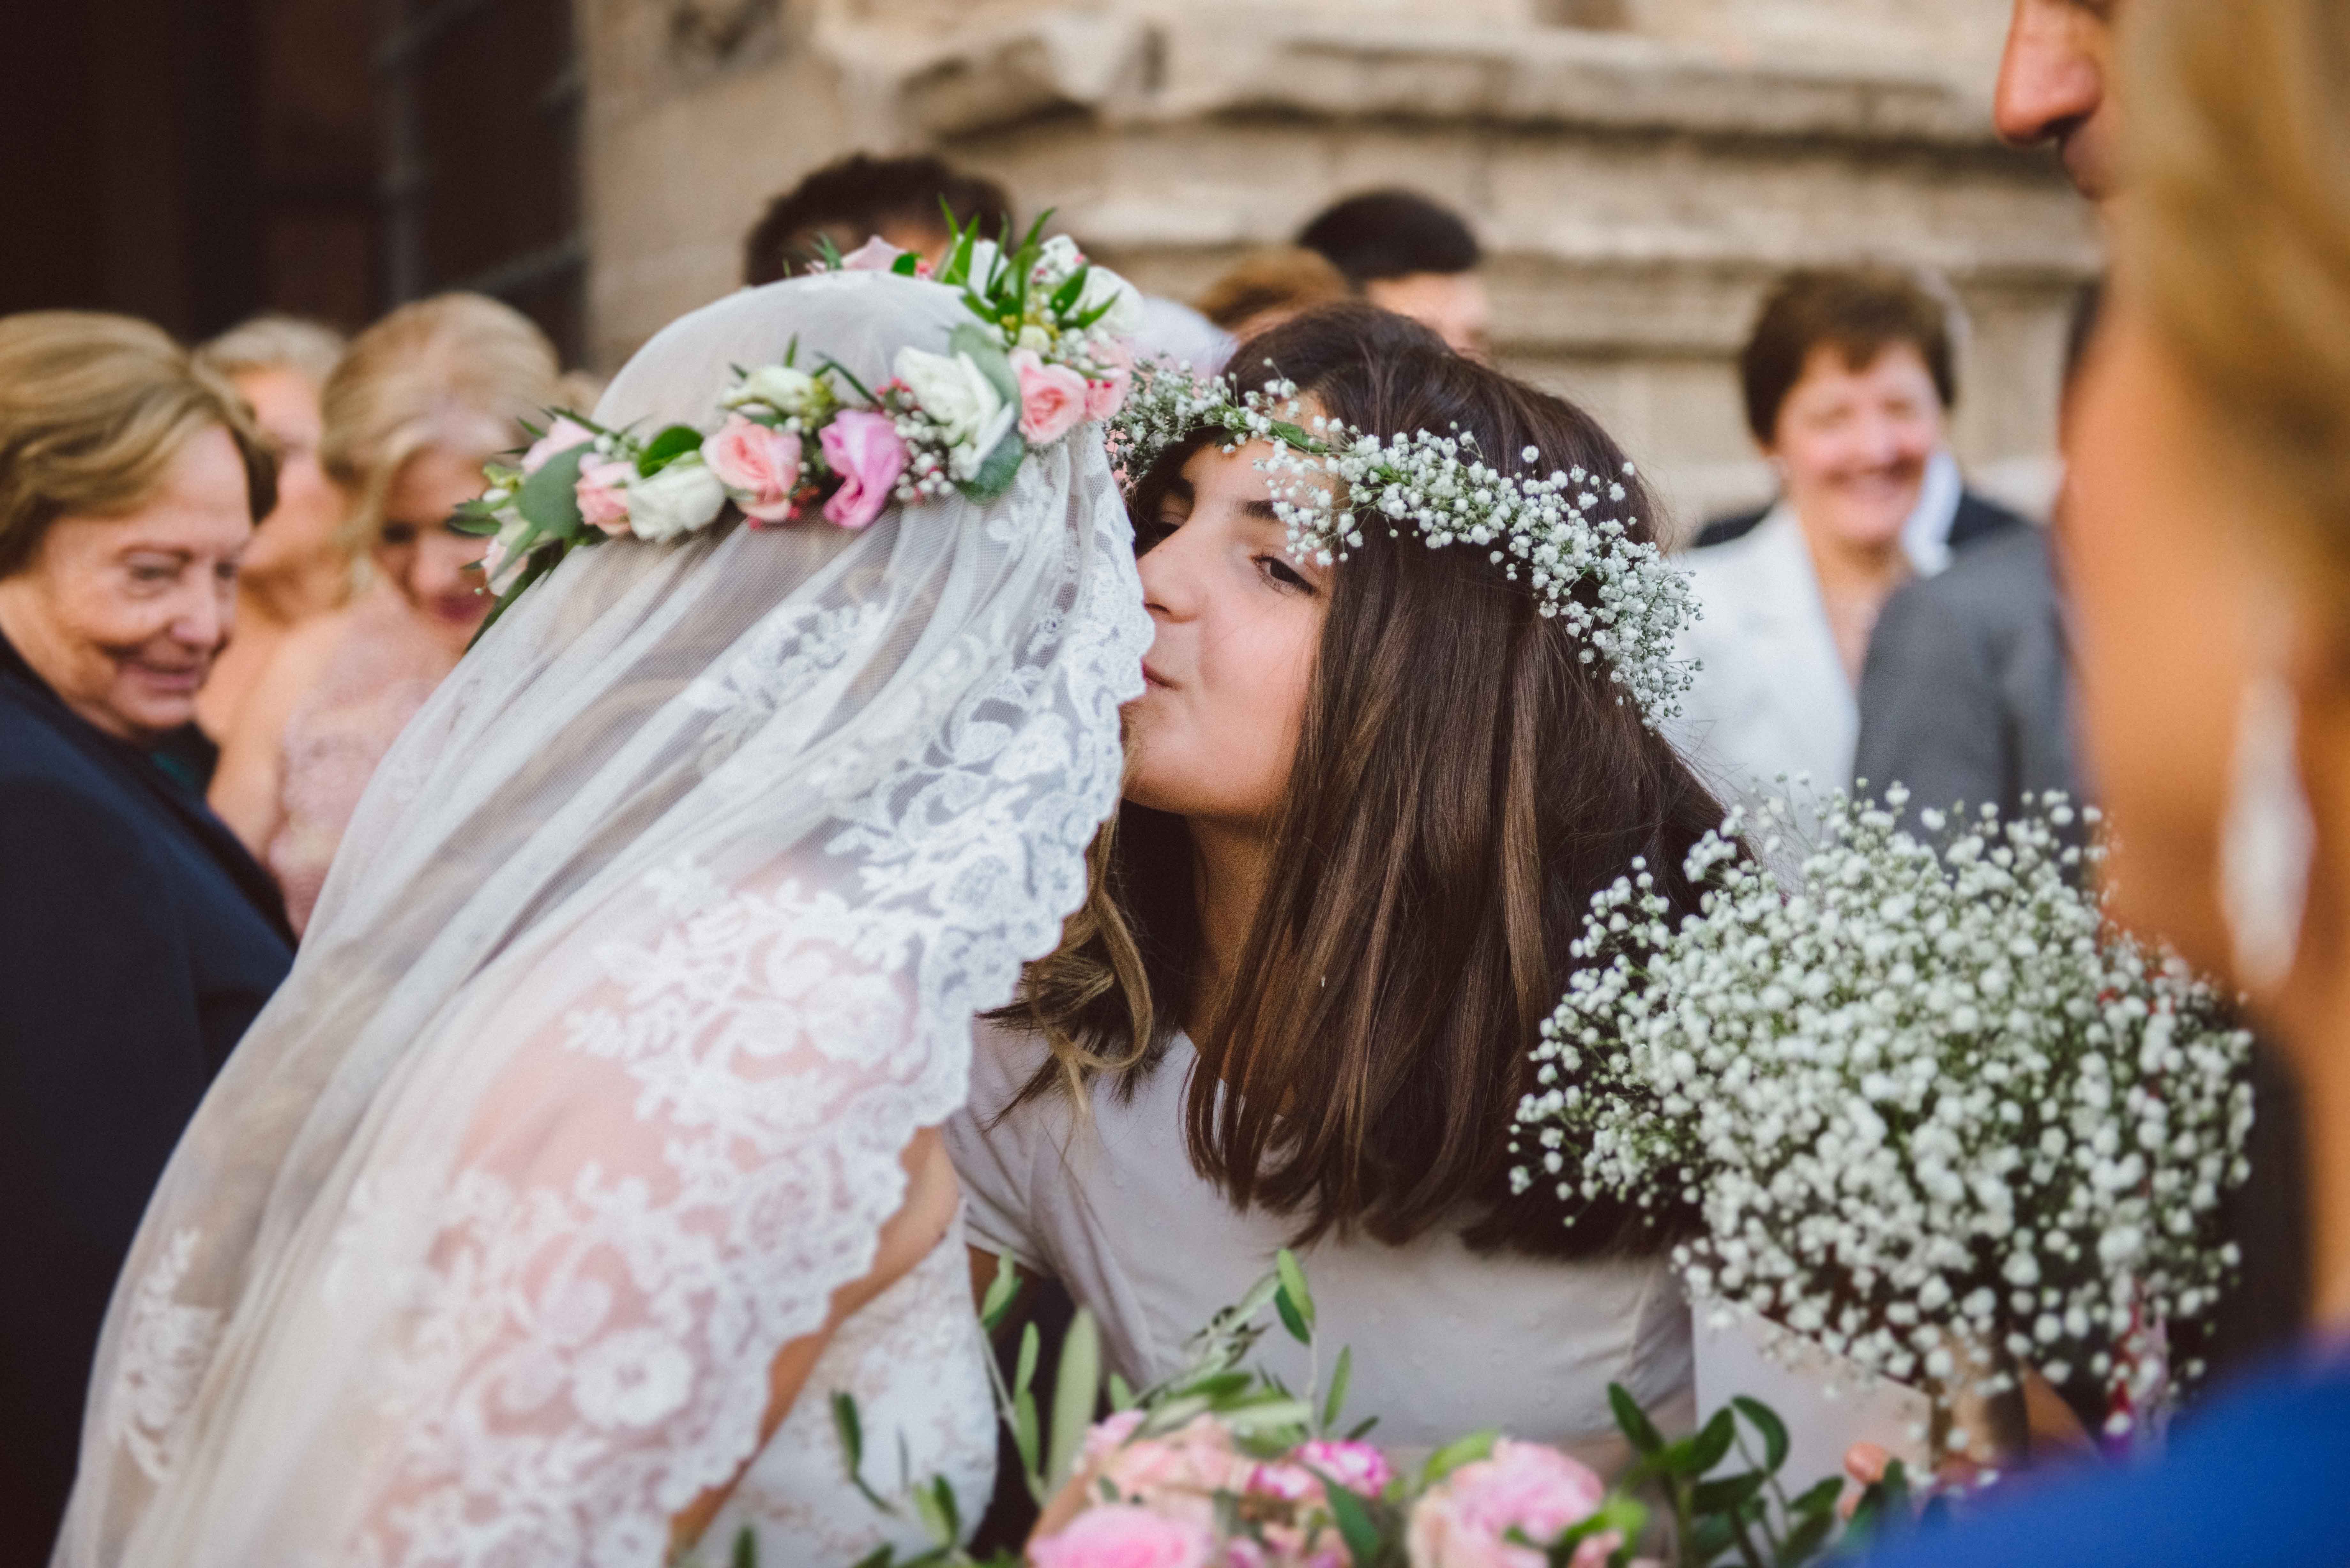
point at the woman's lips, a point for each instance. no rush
(1152, 678)
(462, 609)
(174, 680)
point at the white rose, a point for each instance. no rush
(781, 387)
(1057, 258)
(986, 261)
(957, 393)
(1103, 286)
(678, 499)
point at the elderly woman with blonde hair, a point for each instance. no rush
(2207, 539)
(416, 405)
(137, 937)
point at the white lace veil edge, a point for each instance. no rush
(657, 935)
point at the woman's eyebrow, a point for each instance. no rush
(1260, 509)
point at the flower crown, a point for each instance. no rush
(1545, 527)
(1048, 351)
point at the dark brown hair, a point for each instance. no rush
(1464, 783)
(851, 200)
(1859, 312)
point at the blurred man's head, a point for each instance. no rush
(2052, 86)
(903, 200)
(1405, 254)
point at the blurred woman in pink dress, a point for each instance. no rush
(420, 400)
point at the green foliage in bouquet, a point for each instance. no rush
(1273, 1475)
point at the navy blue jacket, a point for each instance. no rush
(137, 940)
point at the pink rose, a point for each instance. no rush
(754, 461)
(1108, 1434)
(865, 449)
(1357, 1467)
(876, 254)
(1463, 1522)
(1052, 397)
(560, 437)
(1119, 1535)
(603, 492)
(1105, 393)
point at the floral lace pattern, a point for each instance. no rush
(167, 1345)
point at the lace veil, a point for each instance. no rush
(657, 937)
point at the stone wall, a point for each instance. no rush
(1639, 169)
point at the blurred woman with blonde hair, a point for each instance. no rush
(417, 402)
(2206, 532)
(295, 567)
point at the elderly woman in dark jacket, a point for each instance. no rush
(137, 937)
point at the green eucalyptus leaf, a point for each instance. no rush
(1032, 1345)
(474, 519)
(1121, 1393)
(1804, 1539)
(906, 265)
(666, 448)
(1820, 1498)
(1000, 1294)
(1293, 1285)
(1765, 1420)
(548, 500)
(1727, 1494)
(1264, 1415)
(1076, 1391)
(1065, 298)
(1713, 1442)
(1025, 1439)
(1292, 1319)
(1634, 1422)
(1361, 1429)
(1708, 1538)
(851, 1430)
(1356, 1527)
(995, 475)
(745, 1554)
(1337, 1401)
(1458, 1453)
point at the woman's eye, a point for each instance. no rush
(396, 533)
(1283, 573)
(152, 572)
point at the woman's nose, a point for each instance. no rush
(205, 612)
(1169, 578)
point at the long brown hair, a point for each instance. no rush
(1464, 782)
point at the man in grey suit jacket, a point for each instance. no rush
(1963, 697)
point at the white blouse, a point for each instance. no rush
(1445, 1339)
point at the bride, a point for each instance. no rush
(591, 1145)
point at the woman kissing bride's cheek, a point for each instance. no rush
(1371, 787)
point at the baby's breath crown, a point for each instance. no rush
(1330, 479)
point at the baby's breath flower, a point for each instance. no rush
(1930, 1103)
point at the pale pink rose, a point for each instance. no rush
(1463, 1521)
(865, 449)
(1108, 1434)
(1197, 1460)
(560, 437)
(1105, 393)
(603, 492)
(1290, 1483)
(752, 460)
(1357, 1467)
(1119, 1535)
(1052, 397)
(876, 254)
(1864, 1466)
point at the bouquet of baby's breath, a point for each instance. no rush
(1939, 1117)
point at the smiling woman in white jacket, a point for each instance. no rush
(1848, 378)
